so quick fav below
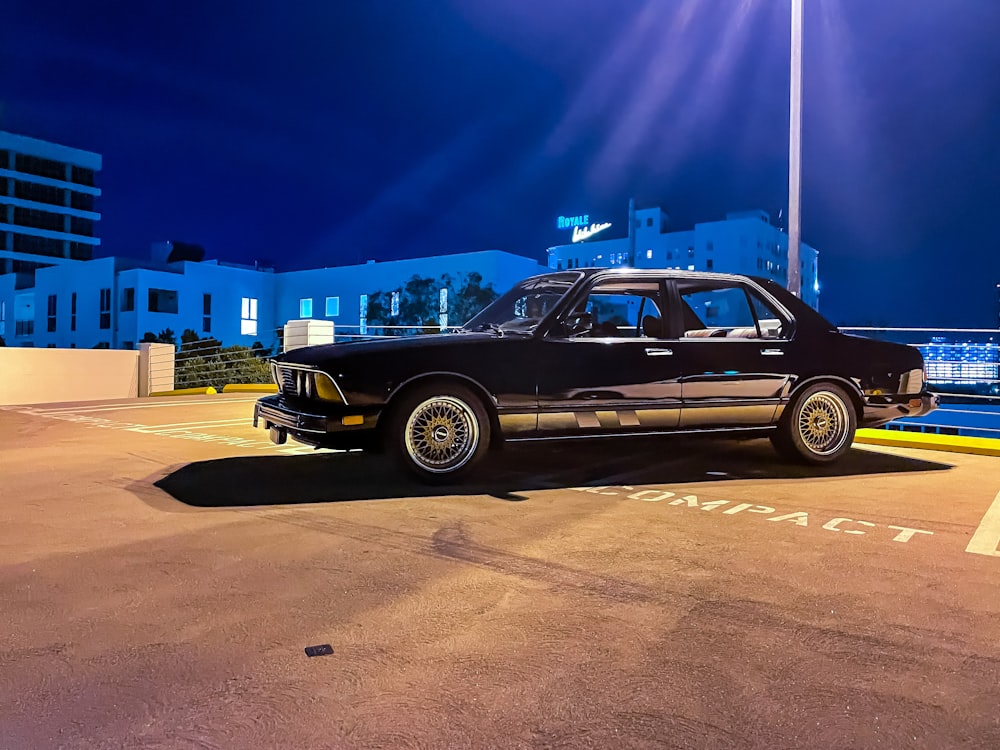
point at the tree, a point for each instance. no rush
(418, 301)
(467, 297)
(166, 336)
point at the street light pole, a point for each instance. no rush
(795, 153)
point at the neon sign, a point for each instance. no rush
(582, 233)
(568, 222)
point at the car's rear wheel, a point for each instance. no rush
(818, 426)
(438, 431)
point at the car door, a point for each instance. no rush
(733, 349)
(604, 366)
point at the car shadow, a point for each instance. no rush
(249, 481)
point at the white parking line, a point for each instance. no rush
(986, 540)
(241, 420)
(116, 407)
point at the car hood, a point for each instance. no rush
(323, 354)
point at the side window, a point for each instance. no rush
(772, 324)
(620, 309)
(716, 310)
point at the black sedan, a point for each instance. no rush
(600, 352)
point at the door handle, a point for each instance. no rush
(772, 352)
(659, 352)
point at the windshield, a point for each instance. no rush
(524, 306)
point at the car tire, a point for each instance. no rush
(818, 426)
(438, 432)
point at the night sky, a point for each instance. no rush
(320, 134)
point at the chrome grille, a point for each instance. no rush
(295, 381)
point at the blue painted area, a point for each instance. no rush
(969, 420)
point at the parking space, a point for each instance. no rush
(163, 566)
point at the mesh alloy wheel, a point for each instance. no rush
(823, 423)
(818, 426)
(441, 434)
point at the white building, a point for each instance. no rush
(114, 302)
(47, 205)
(745, 242)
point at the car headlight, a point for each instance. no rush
(326, 389)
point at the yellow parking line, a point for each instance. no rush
(986, 540)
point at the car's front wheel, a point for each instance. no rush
(438, 431)
(818, 426)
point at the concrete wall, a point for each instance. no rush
(39, 376)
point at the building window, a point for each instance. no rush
(163, 301)
(306, 307)
(332, 307)
(3, 317)
(38, 166)
(83, 176)
(649, 254)
(82, 201)
(81, 251)
(710, 245)
(708, 264)
(72, 312)
(128, 299)
(206, 310)
(128, 345)
(649, 222)
(394, 303)
(363, 314)
(443, 308)
(690, 252)
(84, 227)
(105, 308)
(248, 317)
(52, 313)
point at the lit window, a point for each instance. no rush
(690, 268)
(248, 317)
(306, 307)
(332, 307)
(649, 254)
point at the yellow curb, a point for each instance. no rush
(930, 441)
(250, 388)
(187, 392)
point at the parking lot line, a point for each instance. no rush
(118, 407)
(986, 540)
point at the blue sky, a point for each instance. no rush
(319, 134)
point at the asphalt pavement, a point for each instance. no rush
(164, 568)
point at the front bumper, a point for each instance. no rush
(309, 423)
(879, 410)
